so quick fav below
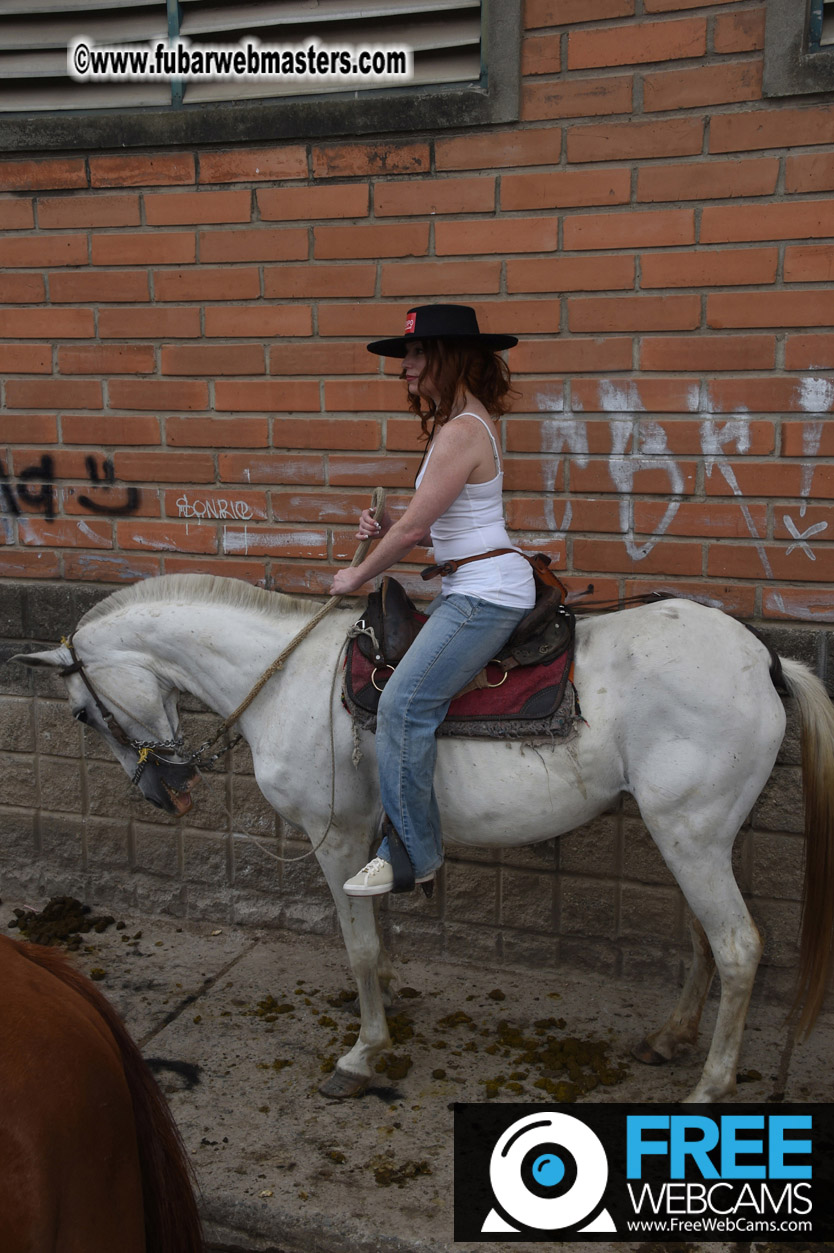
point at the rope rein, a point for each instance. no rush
(239, 835)
(378, 507)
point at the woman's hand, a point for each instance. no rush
(346, 581)
(369, 528)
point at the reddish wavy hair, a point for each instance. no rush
(457, 366)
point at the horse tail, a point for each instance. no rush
(816, 948)
(172, 1221)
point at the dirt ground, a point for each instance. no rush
(242, 1026)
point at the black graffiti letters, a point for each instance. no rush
(106, 481)
(40, 501)
(35, 490)
(7, 495)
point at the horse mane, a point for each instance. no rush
(202, 589)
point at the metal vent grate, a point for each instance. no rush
(445, 36)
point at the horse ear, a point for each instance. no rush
(51, 657)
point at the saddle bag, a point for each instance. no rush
(547, 630)
(543, 633)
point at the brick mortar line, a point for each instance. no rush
(612, 167)
(729, 108)
(466, 173)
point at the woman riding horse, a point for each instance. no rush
(457, 382)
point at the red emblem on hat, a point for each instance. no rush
(410, 323)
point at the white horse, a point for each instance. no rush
(679, 710)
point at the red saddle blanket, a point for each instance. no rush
(533, 701)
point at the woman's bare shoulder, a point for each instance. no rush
(462, 428)
(456, 443)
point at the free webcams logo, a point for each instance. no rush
(674, 1172)
(549, 1171)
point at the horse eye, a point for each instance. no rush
(80, 715)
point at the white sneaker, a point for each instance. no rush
(377, 878)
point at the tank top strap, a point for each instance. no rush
(468, 414)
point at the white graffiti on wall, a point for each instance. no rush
(718, 436)
(238, 510)
(559, 434)
(811, 438)
(733, 433)
(650, 456)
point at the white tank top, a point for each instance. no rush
(474, 523)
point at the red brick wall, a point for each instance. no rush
(182, 351)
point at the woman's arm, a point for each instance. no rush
(371, 529)
(454, 457)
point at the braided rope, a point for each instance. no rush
(378, 506)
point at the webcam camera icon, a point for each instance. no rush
(548, 1172)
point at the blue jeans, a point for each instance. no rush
(462, 634)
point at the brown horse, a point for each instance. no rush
(90, 1156)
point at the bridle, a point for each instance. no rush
(161, 749)
(145, 749)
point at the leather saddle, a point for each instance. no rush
(391, 622)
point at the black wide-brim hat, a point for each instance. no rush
(440, 322)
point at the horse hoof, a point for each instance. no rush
(647, 1055)
(341, 1085)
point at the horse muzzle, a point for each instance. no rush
(180, 798)
(170, 788)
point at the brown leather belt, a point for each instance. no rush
(449, 567)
